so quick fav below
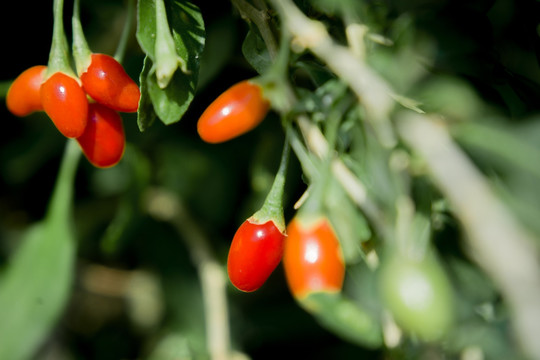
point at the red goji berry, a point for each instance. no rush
(312, 258)
(103, 140)
(66, 104)
(255, 252)
(23, 96)
(236, 111)
(106, 81)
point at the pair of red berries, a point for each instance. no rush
(97, 126)
(311, 252)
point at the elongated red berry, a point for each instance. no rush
(65, 102)
(106, 81)
(23, 96)
(255, 252)
(103, 141)
(312, 258)
(236, 111)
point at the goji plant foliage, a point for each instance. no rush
(243, 178)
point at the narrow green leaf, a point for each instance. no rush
(500, 142)
(145, 113)
(351, 226)
(173, 101)
(344, 318)
(255, 52)
(173, 345)
(146, 26)
(35, 285)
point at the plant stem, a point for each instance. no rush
(165, 206)
(62, 196)
(126, 32)
(272, 208)
(59, 53)
(308, 166)
(81, 50)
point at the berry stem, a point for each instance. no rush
(59, 53)
(126, 32)
(272, 208)
(81, 51)
(61, 199)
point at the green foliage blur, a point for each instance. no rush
(136, 293)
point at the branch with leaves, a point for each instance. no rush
(403, 211)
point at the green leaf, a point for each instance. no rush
(345, 318)
(187, 29)
(502, 143)
(351, 226)
(145, 113)
(173, 345)
(332, 7)
(449, 96)
(35, 286)
(318, 74)
(173, 101)
(255, 52)
(420, 232)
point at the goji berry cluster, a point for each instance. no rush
(313, 261)
(84, 108)
(311, 252)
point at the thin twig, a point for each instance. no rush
(126, 31)
(165, 206)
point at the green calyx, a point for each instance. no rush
(272, 209)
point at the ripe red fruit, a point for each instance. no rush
(255, 252)
(236, 111)
(103, 140)
(23, 97)
(65, 102)
(106, 81)
(312, 258)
